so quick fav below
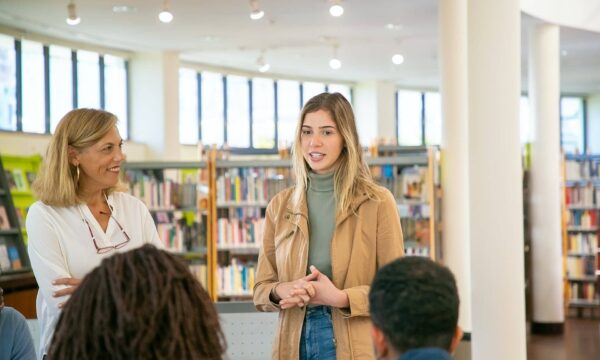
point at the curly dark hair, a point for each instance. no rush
(142, 304)
(414, 302)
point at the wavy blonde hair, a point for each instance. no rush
(56, 183)
(352, 176)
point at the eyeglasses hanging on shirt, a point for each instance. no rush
(105, 249)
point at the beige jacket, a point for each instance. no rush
(362, 242)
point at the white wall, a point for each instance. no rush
(374, 108)
(30, 144)
(593, 118)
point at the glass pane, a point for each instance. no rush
(525, 120)
(188, 106)
(310, 89)
(8, 84)
(88, 80)
(433, 118)
(115, 91)
(342, 89)
(212, 108)
(238, 112)
(571, 119)
(409, 118)
(288, 108)
(32, 72)
(61, 84)
(263, 113)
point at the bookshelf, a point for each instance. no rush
(16, 277)
(412, 174)
(581, 229)
(176, 194)
(232, 195)
(243, 188)
(20, 171)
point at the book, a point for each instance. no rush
(10, 180)
(4, 260)
(19, 178)
(30, 175)
(4, 222)
(15, 259)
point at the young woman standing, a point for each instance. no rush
(324, 240)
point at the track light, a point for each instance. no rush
(165, 15)
(256, 13)
(72, 18)
(335, 63)
(263, 65)
(397, 59)
(336, 8)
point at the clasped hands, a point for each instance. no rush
(315, 288)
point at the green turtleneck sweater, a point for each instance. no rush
(321, 219)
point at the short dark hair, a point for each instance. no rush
(142, 304)
(414, 302)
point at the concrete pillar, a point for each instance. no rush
(544, 202)
(374, 107)
(495, 188)
(455, 149)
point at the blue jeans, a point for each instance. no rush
(317, 341)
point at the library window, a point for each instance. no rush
(433, 118)
(525, 123)
(409, 111)
(571, 124)
(310, 89)
(49, 90)
(342, 89)
(61, 84)
(263, 113)
(115, 90)
(32, 75)
(188, 106)
(88, 79)
(288, 108)
(212, 103)
(8, 84)
(238, 112)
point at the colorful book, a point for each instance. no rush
(4, 222)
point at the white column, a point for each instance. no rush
(455, 149)
(155, 103)
(546, 248)
(495, 188)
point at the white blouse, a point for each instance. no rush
(60, 246)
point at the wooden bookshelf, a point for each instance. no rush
(237, 194)
(177, 196)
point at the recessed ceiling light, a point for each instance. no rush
(335, 63)
(391, 26)
(123, 9)
(397, 59)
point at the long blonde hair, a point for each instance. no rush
(352, 176)
(56, 183)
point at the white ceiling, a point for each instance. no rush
(296, 35)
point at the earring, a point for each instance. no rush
(77, 171)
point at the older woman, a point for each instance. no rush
(81, 216)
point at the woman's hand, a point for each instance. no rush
(71, 284)
(325, 291)
(296, 293)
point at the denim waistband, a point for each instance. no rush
(318, 310)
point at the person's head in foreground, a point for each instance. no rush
(414, 309)
(142, 304)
